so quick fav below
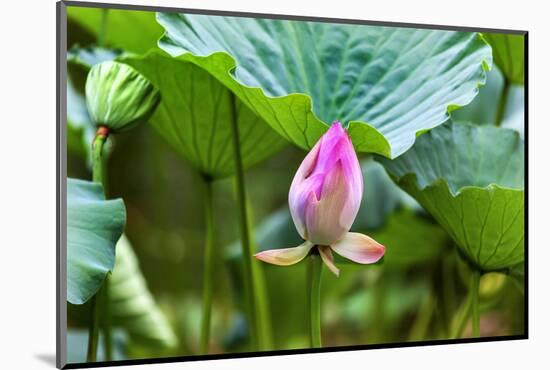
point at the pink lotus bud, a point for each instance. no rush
(324, 199)
(326, 192)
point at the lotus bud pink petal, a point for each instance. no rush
(324, 199)
(326, 192)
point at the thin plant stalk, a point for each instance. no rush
(253, 285)
(421, 324)
(208, 271)
(476, 275)
(448, 294)
(93, 331)
(461, 317)
(260, 296)
(313, 283)
(102, 34)
(501, 107)
(96, 300)
(97, 155)
(469, 310)
(107, 319)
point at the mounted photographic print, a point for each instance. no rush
(235, 185)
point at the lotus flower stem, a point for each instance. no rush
(314, 270)
(99, 301)
(208, 268)
(476, 275)
(97, 153)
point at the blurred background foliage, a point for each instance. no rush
(415, 293)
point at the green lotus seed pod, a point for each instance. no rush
(118, 97)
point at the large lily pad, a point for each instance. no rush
(94, 225)
(483, 109)
(133, 307)
(470, 178)
(389, 84)
(196, 114)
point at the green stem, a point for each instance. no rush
(476, 275)
(461, 317)
(261, 299)
(502, 103)
(107, 320)
(97, 301)
(421, 324)
(208, 271)
(249, 280)
(97, 158)
(315, 266)
(448, 295)
(93, 331)
(102, 34)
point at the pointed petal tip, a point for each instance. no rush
(359, 248)
(285, 256)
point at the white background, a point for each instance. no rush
(27, 182)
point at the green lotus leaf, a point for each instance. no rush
(133, 307)
(132, 30)
(389, 84)
(517, 273)
(508, 54)
(483, 109)
(118, 97)
(94, 225)
(196, 115)
(470, 179)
